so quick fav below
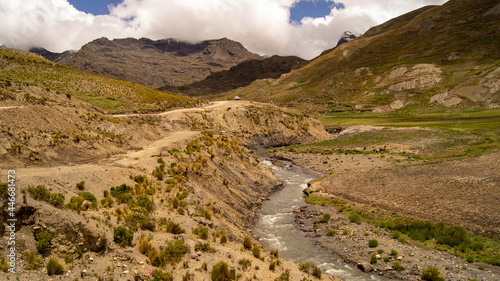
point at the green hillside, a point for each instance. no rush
(110, 95)
(438, 57)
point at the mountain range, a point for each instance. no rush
(153, 63)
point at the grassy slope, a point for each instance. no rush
(330, 82)
(110, 95)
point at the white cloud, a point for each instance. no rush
(261, 25)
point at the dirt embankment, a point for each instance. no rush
(206, 178)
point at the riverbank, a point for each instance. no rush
(393, 258)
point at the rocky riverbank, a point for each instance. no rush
(394, 260)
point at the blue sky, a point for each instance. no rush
(96, 7)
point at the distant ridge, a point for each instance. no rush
(154, 63)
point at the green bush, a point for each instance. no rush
(172, 253)
(256, 252)
(247, 243)
(305, 267)
(43, 242)
(330, 232)
(432, 274)
(356, 218)
(80, 185)
(123, 236)
(88, 196)
(373, 243)
(204, 247)
(54, 267)
(373, 259)
(117, 190)
(325, 218)
(220, 272)
(144, 202)
(202, 232)
(43, 194)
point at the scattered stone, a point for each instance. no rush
(365, 267)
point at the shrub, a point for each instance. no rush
(373, 259)
(220, 272)
(117, 190)
(247, 243)
(88, 196)
(223, 239)
(4, 266)
(33, 260)
(275, 253)
(272, 265)
(205, 247)
(305, 267)
(43, 194)
(144, 202)
(43, 242)
(245, 263)
(80, 185)
(144, 244)
(316, 272)
(432, 274)
(159, 275)
(173, 252)
(330, 232)
(54, 267)
(373, 243)
(256, 252)
(123, 236)
(285, 276)
(397, 266)
(356, 218)
(394, 253)
(325, 218)
(174, 228)
(202, 232)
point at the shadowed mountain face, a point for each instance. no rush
(435, 57)
(240, 75)
(154, 63)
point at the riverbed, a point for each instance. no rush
(276, 227)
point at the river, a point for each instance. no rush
(275, 226)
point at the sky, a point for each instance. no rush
(286, 27)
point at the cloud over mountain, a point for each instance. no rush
(263, 26)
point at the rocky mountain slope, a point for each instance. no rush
(435, 57)
(154, 63)
(240, 75)
(135, 196)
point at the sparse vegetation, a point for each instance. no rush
(54, 267)
(373, 243)
(431, 274)
(247, 243)
(123, 236)
(220, 272)
(43, 242)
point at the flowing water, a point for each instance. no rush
(275, 226)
